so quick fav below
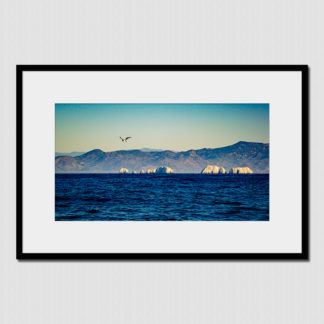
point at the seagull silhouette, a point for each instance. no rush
(124, 140)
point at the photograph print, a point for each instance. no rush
(162, 162)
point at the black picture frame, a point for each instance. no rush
(303, 255)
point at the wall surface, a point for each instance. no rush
(159, 32)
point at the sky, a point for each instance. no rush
(177, 127)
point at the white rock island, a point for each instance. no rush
(213, 169)
(244, 170)
(159, 170)
(164, 170)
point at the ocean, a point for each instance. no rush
(163, 197)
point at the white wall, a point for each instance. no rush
(159, 32)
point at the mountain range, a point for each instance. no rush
(145, 149)
(68, 154)
(242, 154)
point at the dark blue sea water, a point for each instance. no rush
(152, 197)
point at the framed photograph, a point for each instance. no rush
(162, 162)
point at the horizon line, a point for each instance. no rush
(162, 150)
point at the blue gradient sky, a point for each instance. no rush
(178, 127)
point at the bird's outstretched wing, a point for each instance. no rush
(127, 138)
(120, 138)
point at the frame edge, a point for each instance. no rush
(19, 162)
(303, 256)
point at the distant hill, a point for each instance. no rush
(68, 154)
(242, 154)
(145, 149)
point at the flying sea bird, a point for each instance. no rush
(124, 140)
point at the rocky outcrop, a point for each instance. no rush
(244, 170)
(213, 169)
(123, 170)
(164, 170)
(159, 170)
